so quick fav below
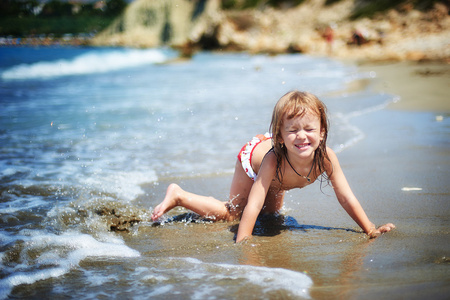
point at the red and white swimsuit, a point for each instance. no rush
(245, 155)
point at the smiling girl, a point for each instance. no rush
(294, 155)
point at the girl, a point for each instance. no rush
(293, 156)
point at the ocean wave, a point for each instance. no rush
(201, 279)
(88, 63)
(125, 185)
(67, 251)
(298, 284)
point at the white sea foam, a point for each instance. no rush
(21, 204)
(267, 279)
(5, 238)
(89, 63)
(349, 134)
(8, 172)
(67, 250)
(125, 185)
(201, 280)
(409, 189)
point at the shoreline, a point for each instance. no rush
(399, 173)
(394, 76)
(402, 148)
(421, 86)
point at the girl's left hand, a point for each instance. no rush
(380, 230)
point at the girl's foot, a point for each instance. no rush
(169, 202)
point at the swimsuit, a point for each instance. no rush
(245, 155)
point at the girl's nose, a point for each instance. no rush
(301, 135)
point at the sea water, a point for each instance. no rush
(85, 128)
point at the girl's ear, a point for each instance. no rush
(279, 140)
(322, 134)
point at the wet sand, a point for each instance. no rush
(423, 86)
(399, 172)
(406, 161)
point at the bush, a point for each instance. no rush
(25, 17)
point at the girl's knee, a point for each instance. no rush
(234, 210)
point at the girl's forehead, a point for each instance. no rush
(306, 117)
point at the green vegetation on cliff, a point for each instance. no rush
(58, 17)
(26, 17)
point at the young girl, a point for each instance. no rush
(293, 156)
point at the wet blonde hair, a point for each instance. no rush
(291, 105)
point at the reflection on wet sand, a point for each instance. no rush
(332, 256)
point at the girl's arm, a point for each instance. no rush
(348, 200)
(257, 197)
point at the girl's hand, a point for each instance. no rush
(374, 233)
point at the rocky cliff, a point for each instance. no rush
(154, 23)
(314, 27)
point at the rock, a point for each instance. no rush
(154, 23)
(415, 55)
(122, 218)
(192, 25)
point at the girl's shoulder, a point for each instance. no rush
(268, 167)
(259, 152)
(332, 155)
(270, 158)
(330, 152)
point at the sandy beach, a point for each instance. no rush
(399, 172)
(422, 86)
(87, 156)
(398, 168)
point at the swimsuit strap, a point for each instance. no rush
(306, 177)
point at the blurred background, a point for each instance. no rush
(361, 29)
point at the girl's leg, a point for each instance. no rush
(208, 206)
(202, 205)
(239, 191)
(274, 201)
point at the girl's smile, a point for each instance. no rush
(303, 146)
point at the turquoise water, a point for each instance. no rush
(83, 128)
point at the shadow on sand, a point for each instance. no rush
(266, 224)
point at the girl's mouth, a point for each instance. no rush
(303, 146)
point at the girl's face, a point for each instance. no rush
(302, 135)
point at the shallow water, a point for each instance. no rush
(84, 131)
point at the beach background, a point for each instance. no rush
(91, 138)
(406, 162)
(399, 172)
